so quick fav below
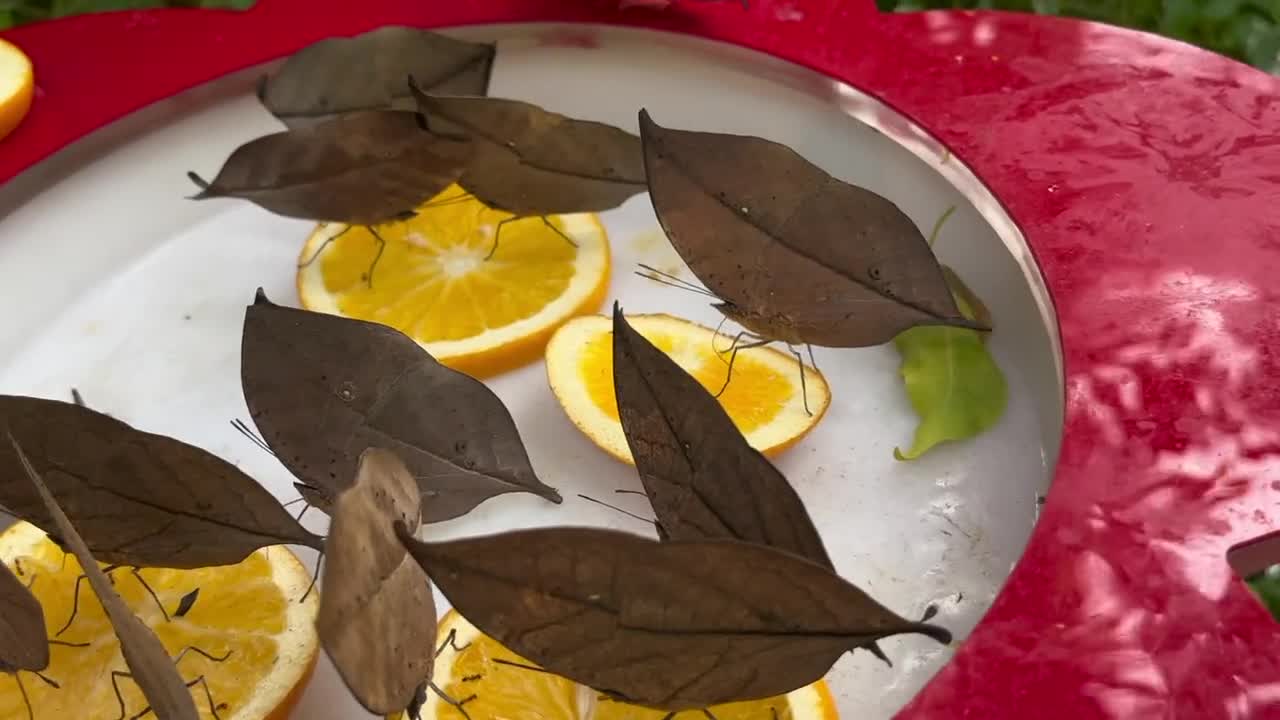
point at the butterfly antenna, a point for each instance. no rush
(522, 666)
(244, 429)
(666, 278)
(615, 508)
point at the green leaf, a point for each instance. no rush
(1266, 585)
(951, 379)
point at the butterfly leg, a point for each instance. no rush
(115, 687)
(192, 648)
(734, 356)
(721, 353)
(208, 696)
(314, 577)
(31, 714)
(316, 255)
(414, 711)
(137, 574)
(64, 643)
(382, 245)
(558, 231)
(707, 712)
(804, 389)
(497, 232)
(75, 603)
(451, 640)
(457, 704)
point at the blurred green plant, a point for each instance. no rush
(17, 12)
(1247, 30)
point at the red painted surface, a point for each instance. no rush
(1146, 177)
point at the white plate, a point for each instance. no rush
(117, 285)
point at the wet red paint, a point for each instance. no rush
(1146, 177)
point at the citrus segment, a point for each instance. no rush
(508, 692)
(250, 610)
(763, 397)
(435, 282)
(17, 87)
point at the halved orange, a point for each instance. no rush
(503, 692)
(250, 610)
(763, 397)
(435, 282)
(17, 86)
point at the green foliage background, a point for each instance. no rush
(1247, 30)
(16, 12)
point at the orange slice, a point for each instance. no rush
(434, 283)
(763, 397)
(17, 87)
(250, 610)
(503, 692)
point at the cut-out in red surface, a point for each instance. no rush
(1146, 177)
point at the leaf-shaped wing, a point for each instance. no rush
(367, 72)
(702, 477)
(24, 643)
(674, 625)
(364, 169)
(148, 662)
(953, 382)
(530, 161)
(137, 498)
(796, 254)
(323, 388)
(377, 616)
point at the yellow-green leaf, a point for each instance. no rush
(952, 381)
